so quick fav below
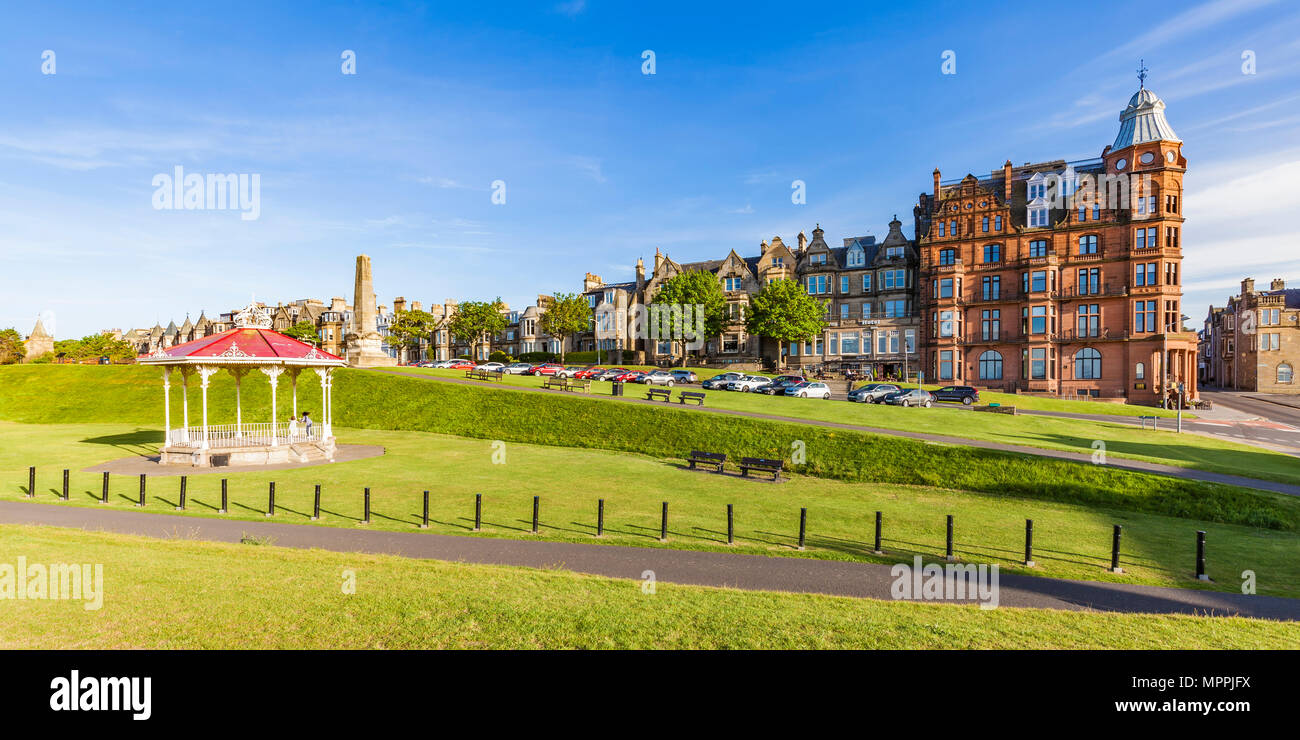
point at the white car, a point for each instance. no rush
(748, 383)
(809, 389)
(443, 364)
(490, 367)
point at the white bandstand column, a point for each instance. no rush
(293, 376)
(328, 431)
(238, 372)
(273, 374)
(185, 401)
(324, 399)
(167, 406)
(205, 373)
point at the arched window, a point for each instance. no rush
(1284, 373)
(1088, 244)
(1141, 371)
(990, 365)
(1087, 364)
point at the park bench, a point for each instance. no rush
(695, 396)
(573, 384)
(554, 382)
(482, 375)
(715, 459)
(658, 394)
(762, 465)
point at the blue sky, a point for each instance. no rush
(602, 164)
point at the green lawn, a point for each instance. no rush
(1121, 440)
(177, 594)
(1071, 541)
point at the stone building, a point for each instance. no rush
(1062, 278)
(38, 343)
(1253, 343)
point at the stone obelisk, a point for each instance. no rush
(363, 343)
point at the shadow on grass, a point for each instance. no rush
(141, 442)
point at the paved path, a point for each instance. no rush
(148, 464)
(749, 572)
(1140, 466)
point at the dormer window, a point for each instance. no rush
(893, 252)
(856, 257)
(1038, 216)
(817, 259)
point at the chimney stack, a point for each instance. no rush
(801, 239)
(399, 304)
(936, 183)
(762, 247)
(1277, 284)
(1247, 286)
(1006, 182)
(640, 271)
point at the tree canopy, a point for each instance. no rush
(569, 314)
(784, 311)
(692, 288)
(12, 348)
(303, 331)
(476, 321)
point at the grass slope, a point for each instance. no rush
(382, 401)
(250, 596)
(1071, 541)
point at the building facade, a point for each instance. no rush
(1253, 343)
(1063, 278)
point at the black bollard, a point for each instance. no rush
(426, 511)
(103, 493)
(181, 507)
(731, 531)
(224, 501)
(663, 524)
(270, 500)
(31, 482)
(65, 484)
(878, 551)
(141, 503)
(1029, 543)
(315, 506)
(949, 554)
(536, 503)
(1114, 552)
(1200, 556)
(366, 520)
(803, 525)
(478, 512)
(600, 517)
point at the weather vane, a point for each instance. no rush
(1142, 74)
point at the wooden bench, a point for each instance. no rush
(557, 383)
(482, 375)
(762, 465)
(716, 459)
(695, 396)
(573, 384)
(658, 394)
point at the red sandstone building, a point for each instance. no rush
(1062, 278)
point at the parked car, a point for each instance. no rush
(809, 389)
(719, 382)
(628, 376)
(490, 367)
(873, 392)
(591, 373)
(963, 394)
(460, 365)
(910, 397)
(659, 377)
(518, 368)
(748, 383)
(548, 368)
(611, 373)
(779, 384)
(685, 376)
(569, 372)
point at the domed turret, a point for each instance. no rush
(1143, 120)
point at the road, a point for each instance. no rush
(728, 570)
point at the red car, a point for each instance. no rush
(461, 365)
(545, 369)
(628, 377)
(589, 373)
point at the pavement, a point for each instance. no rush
(148, 465)
(1113, 461)
(727, 570)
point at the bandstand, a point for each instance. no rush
(250, 346)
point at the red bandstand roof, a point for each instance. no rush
(244, 346)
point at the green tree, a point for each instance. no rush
(12, 348)
(476, 322)
(304, 331)
(568, 315)
(409, 329)
(784, 311)
(692, 288)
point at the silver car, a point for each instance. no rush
(748, 383)
(659, 377)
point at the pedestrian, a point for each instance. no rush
(306, 420)
(293, 428)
